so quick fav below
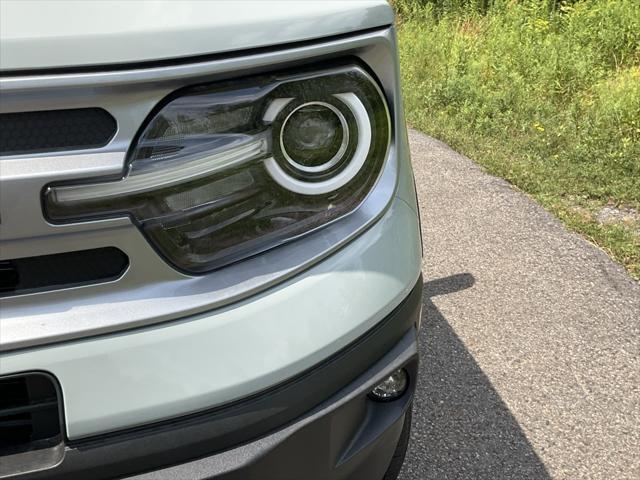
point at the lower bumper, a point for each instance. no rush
(348, 436)
(320, 424)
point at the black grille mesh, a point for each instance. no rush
(61, 270)
(55, 130)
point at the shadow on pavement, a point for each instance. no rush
(461, 427)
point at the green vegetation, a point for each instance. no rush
(545, 94)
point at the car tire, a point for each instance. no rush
(401, 449)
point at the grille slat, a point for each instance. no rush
(30, 408)
(14, 423)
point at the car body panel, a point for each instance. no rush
(73, 34)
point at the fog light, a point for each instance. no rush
(391, 387)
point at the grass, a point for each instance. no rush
(545, 94)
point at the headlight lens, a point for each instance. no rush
(314, 137)
(222, 172)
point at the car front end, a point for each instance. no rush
(209, 241)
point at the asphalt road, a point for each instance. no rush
(530, 339)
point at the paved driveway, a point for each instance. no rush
(530, 341)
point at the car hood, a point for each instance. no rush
(47, 34)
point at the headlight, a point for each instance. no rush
(224, 171)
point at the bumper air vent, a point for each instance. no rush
(30, 432)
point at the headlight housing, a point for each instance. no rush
(225, 171)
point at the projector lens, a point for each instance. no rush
(314, 137)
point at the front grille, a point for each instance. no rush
(61, 270)
(55, 130)
(29, 414)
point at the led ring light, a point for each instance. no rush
(344, 176)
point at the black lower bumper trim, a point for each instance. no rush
(198, 435)
(349, 436)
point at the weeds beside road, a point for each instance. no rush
(543, 94)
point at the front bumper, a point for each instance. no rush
(348, 436)
(320, 424)
(130, 379)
